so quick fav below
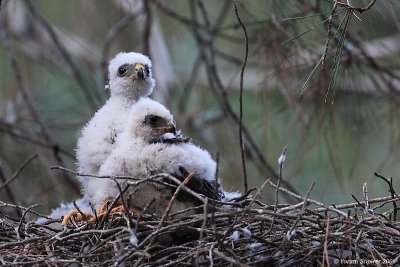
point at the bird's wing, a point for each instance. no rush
(210, 189)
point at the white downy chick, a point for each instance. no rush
(147, 122)
(141, 152)
(130, 78)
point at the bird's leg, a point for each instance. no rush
(77, 215)
(103, 210)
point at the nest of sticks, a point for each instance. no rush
(242, 232)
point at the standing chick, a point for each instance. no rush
(130, 78)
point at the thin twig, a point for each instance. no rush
(241, 99)
(74, 69)
(21, 167)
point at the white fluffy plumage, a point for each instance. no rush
(131, 141)
(64, 208)
(130, 78)
(139, 154)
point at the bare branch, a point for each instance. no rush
(15, 175)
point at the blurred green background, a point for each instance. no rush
(60, 51)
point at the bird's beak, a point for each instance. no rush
(169, 128)
(140, 71)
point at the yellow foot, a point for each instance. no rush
(77, 216)
(103, 211)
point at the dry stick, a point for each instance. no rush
(325, 253)
(127, 213)
(367, 210)
(256, 155)
(281, 162)
(23, 217)
(210, 255)
(93, 175)
(21, 167)
(328, 38)
(18, 77)
(147, 27)
(359, 9)
(358, 204)
(302, 208)
(192, 23)
(228, 259)
(103, 220)
(221, 96)
(392, 193)
(116, 29)
(241, 99)
(9, 131)
(74, 69)
(8, 190)
(257, 194)
(137, 181)
(139, 217)
(4, 204)
(203, 225)
(174, 196)
(309, 200)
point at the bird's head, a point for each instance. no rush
(130, 75)
(150, 120)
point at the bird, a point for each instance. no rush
(130, 78)
(65, 207)
(145, 148)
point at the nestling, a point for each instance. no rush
(130, 78)
(142, 152)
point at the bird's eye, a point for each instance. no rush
(147, 70)
(122, 71)
(152, 120)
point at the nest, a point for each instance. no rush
(242, 232)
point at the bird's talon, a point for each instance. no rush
(77, 216)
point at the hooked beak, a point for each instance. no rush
(169, 128)
(140, 71)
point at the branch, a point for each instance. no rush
(15, 175)
(241, 100)
(73, 68)
(359, 9)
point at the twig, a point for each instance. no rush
(241, 98)
(359, 9)
(305, 202)
(326, 254)
(309, 200)
(110, 38)
(47, 145)
(147, 27)
(168, 209)
(8, 190)
(367, 209)
(21, 167)
(207, 53)
(392, 193)
(74, 69)
(21, 87)
(328, 40)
